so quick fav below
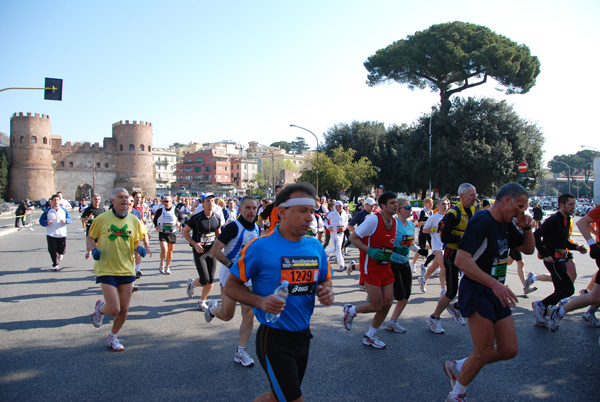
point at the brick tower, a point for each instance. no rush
(135, 167)
(31, 174)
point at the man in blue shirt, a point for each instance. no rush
(284, 254)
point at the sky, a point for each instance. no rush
(205, 71)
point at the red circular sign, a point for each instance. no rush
(523, 167)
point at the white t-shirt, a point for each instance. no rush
(436, 238)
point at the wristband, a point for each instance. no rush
(591, 242)
(527, 228)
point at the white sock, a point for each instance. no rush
(352, 310)
(534, 277)
(241, 349)
(137, 267)
(112, 336)
(371, 332)
(459, 389)
(459, 364)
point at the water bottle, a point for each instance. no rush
(281, 293)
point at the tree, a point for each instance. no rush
(581, 163)
(452, 57)
(340, 172)
(299, 146)
(3, 172)
(480, 141)
(283, 145)
(4, 140)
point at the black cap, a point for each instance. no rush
(53, 89)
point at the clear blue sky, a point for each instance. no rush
(244, 70)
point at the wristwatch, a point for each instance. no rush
(229, 264)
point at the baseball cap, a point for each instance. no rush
(339, 203)
(207, 195)
(370, 201)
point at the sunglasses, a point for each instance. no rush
(408, 208)
(166, 202)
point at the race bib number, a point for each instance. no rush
(387, 255)
(167, 228)
(407, 240)
(340, 229)
(302, 274)
(561, 255)
(499, 269)
(208, 238)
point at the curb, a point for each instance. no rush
(4, 232)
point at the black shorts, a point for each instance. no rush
(515, 254)
(167, 237)
(283, 356)
(477, 298)
(115, 280)
(424, 238)
(402, 280)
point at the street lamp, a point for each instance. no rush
(430, 119)
(302, 128)
(569, 177)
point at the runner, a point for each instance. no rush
(113, 238)
(284, 254)
(205, 227)
(424, 238)
(455, 223)
(432, 226)
(484, 298)
(375, 240)
(226, 249)
(166, 219)
(270, 214)
(88, 216)
(336, 222)
(55, 219)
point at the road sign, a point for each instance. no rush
(523, 167)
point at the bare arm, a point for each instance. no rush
(357, 241)
(584, 227)
(236, 289)
(90, 243)
(217, 252)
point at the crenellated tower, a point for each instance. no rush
(134, 164)
(31, 173)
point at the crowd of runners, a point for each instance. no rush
(258, 244)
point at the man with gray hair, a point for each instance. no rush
(484, 298)
(454, 225)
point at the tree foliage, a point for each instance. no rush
(452, 57)
(283, 145)
(3, 172)
(299, 146)
(581, 163)
(4, 139)
(341, 170)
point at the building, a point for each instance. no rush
(165, 163)
(41, 165)
(206, 167)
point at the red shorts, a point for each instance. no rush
(379, 277)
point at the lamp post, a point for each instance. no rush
(430, 119)
(317, 170)
(569, 177)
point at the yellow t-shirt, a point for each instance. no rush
(117, 239)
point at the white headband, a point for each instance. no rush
(292, 202)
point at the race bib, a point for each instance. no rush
(499, 269)
(387, 255)
(208, 238)
(167, 228)
(302, 274)
(561, 255)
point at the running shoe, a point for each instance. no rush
(243, 358)
(442, 292)
(436, 272)
(435, 325)
(138, 274)
(190, 287)
(539, 311)
(207, 314)
(88, 255)
(458, 398)
(134, 288)
(98, 316)
(451, 372)
(552, 318)
(591, 319)
(352, 268)
(528, 281)
(373, 341)
(362, 288)
(55, 267)
(564, 301)
(202, 306)
(342, 268)
(348, 318)
(168, 271)
(113, 343)
(458, 318)
(394, 327)
(529, 290)
(60, 257)
(161, 268)
(412, 268)
(423, 270)
(422, 284)
(583, 291)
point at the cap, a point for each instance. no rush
(339, 203)
(207, 195)
(370, 201)
(345, 205)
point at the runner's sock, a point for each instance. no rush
(459, 364)
(459, 389)
(371, 332)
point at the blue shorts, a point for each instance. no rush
(115, 280)
(477, 298)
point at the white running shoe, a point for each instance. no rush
(394, 327)
(348, 318)
(412, 268)
(435, 325)
(528, 281)
(591, 319)
(190, 287)
(451, 372)
(373, 341)
(98, 316)
(161, 268)
(539, 311)
(113, 343)
(60, 257)
(168, 271)
(207, 314)
(243, 358)
(458, 318)
(202, 306)
(422, 284)
(423, 270)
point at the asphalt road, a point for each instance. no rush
(50, 351)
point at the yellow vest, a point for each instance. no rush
(459, 229)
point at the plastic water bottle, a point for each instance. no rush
(281, 293)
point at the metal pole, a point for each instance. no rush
(569, 174)
(316, 138)
(430, 118)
